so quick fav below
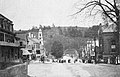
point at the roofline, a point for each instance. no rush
(6, 18)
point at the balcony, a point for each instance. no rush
(2, 43)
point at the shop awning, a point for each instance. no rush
(26, 52)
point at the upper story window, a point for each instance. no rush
(1, 37)
(1, 23)
(9, 38)
(113, 46)
(11, 27)
(40, 34)
(40, 42)
(21, 43)
(6, 24)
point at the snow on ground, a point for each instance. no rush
(94, 70)
(48, 70)
(38, 69)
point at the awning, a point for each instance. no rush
(26, 52)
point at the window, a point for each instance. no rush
(1, 37)
(1, 23)
(40, 34)
(12, 52)
(38, 51)
(21, 43)
(9, 38)
(30, 51)
(113, 46)
(11, 27)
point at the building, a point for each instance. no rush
(33, 41)
(108, 44)
(9, 45)
(70, 54)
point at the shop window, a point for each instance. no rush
(2, 53)
(12, 53)
(113, 46)
(8, 53)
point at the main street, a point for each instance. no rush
(73, 70)
(48, 70)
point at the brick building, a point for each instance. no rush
(108, 44)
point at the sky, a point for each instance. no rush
(28, 13)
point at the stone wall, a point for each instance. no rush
(19, 70)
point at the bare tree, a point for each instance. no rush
(110, 9)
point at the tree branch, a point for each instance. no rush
(112, 14)
(91, 3)
(92, 9)
(110, 3)
(108, 7)
(107, 14)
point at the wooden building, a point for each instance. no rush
(33, 41)
(9, 45)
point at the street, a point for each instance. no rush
(73, 70)
(48, 70)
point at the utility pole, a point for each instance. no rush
(95, 49)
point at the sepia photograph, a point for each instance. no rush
(59, 38)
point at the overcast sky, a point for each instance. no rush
(28, 13)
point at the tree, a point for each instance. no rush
(108, 8)
(92, 32)
(57, 49)
(73, 32)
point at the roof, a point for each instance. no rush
(5, 18)
(22, 36)
(110, 28)
(71, 51)
(25, 52)
(34, 40)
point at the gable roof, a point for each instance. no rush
(71, 51)
(110, 28)
(33, 40)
